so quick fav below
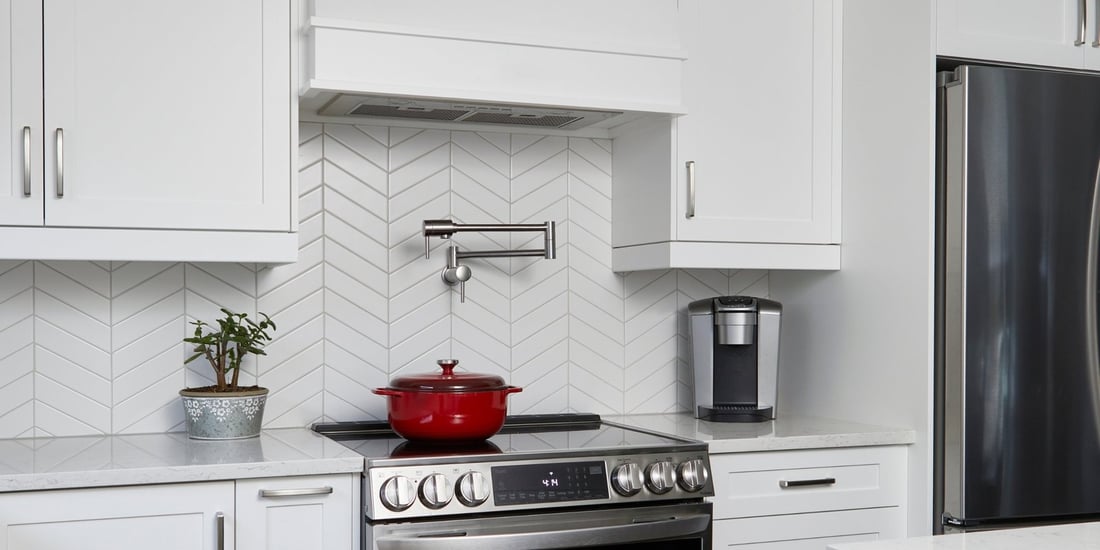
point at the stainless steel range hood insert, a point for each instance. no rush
(355, 105)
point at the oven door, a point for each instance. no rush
(674, 527)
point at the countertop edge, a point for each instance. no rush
(178, 474)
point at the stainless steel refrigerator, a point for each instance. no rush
(1018, 367)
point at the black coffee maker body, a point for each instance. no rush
(735, 357)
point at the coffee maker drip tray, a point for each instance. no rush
(735, 413)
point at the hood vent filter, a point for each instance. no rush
(477, 113)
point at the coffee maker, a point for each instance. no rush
(735, 357)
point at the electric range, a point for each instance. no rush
(544, 481)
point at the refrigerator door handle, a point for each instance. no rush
(1082, 15)
(1092, 339)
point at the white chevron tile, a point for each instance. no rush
(407, 242)
(411, 148)
(356, 229)
(355, 278)
(91, 275)
(602, 289)
(61, 410)
(423, 332)
(356, 204)
(698, 284)
(349, 398)
(653, 305)
(356, 163)
(479, 350)
(543, 345)
(597, 152)
(351, 313)
(750, 282)
(16, 353)
(300, 406)
(283, 287)
(544, 384)
(213, 286)
(311, 226)
(357, 354)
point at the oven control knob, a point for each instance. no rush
(626, 479)
(398, 493)
(693, 475)
(660, 477)
(435, 491)
(472, 489)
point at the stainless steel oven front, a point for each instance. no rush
(680, 526)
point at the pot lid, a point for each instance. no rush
(448, 380)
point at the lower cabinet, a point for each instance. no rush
(809, 499)
(298, 513)
(307, 512)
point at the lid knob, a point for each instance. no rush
(448, 366)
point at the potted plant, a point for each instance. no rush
(226, 410)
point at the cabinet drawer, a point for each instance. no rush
(809, 531)
(792, 482)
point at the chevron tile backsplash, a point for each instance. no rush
(95, 347)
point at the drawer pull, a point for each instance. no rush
(784, 484)
(275, 493)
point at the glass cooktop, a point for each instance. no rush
(521, 434)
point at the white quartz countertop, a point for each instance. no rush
(783, 433)
(98, 461)
(1074, 536)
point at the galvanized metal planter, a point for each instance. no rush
(219, 415)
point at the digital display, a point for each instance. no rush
(535, 483)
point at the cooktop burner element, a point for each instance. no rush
(536, 461)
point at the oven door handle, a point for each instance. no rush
(662, 529)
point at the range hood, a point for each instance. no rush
(439, 110)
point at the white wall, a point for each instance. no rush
(94, 347)
(858, 342)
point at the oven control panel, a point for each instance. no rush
(451, 488)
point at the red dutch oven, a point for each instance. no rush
(447, 406)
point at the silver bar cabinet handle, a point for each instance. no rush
(26, 161)
(219, 520)
(784, 484)
(1082, 15)
(276, 493)
(691, 189)
(59, 143)
(1096, 22)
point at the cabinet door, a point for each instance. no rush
(168, 114)
(761, 86)
(291, 513)
(809, 531)
(165, 517)
(1038, 32)
(21, 112)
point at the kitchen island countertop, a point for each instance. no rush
(100, 461)
(783, 433)
(1073, 536)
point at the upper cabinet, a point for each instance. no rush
(619, 56)
(167, 134)
(1055, 33)
(750, 176)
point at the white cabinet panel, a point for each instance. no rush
(173, 517)
(21, 112)
(174, 116)
(809, 531)
(1037, 32)
(760, 89)
(750, 177)
(271, 516)
(847, 495)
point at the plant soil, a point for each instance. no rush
(214, 389)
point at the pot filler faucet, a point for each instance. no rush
(458, 274)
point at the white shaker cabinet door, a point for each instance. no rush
(320, 512)
(188, 516)
(168, 114)
(1036, 32)
(21, 112)
(762, 90)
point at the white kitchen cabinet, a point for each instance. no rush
(178, 116)
(807, 499)
(21, 112)
(750, 177)
(189, 516)
(320, 512)
(1056, 33)
(290, 513)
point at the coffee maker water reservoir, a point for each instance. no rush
(735, 357)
